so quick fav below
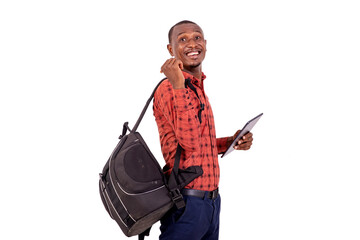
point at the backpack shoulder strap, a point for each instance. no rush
(173, 181)
(146, 107)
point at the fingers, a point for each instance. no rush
(171, 63)
(245, 142)
(167, 64)
(246, 138)
(243, 147)
(181, 65)
(172, 70)
(248, 135)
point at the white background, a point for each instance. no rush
(73, 71)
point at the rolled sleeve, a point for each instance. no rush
(222, 144)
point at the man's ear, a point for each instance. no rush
(170, 50)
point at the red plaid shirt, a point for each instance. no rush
(176, 114)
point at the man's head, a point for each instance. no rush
(187, 43)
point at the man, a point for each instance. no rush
(183, 115)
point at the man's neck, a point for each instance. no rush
(196, 72)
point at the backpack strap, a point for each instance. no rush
(146, 107)
(187, 84)
(145, 233)
(173, 179)
(173, 182)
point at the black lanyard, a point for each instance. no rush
(191, 86)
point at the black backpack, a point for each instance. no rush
(133, 187)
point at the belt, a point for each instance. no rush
(200, 194)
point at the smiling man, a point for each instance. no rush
(183, 115)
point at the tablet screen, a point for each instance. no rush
(247, 128)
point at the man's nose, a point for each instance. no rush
(191, 43)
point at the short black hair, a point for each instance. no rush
(179, 23)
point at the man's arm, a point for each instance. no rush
(174, 103)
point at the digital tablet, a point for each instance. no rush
(247, 128)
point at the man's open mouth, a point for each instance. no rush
(193, 54)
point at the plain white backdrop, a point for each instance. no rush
(73, 71)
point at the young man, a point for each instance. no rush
(183, 115)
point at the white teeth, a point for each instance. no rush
(193, 53)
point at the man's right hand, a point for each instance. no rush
(172, 70)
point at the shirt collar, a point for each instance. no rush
(193, 79)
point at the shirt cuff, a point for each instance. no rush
(222, 144)
(182, 100)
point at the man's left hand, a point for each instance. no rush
(245, 142)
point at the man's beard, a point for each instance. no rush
(195, 65)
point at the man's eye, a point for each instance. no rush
(182, 39)
(197, 38)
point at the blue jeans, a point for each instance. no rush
(198, 220)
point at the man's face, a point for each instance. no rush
(188, 45)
